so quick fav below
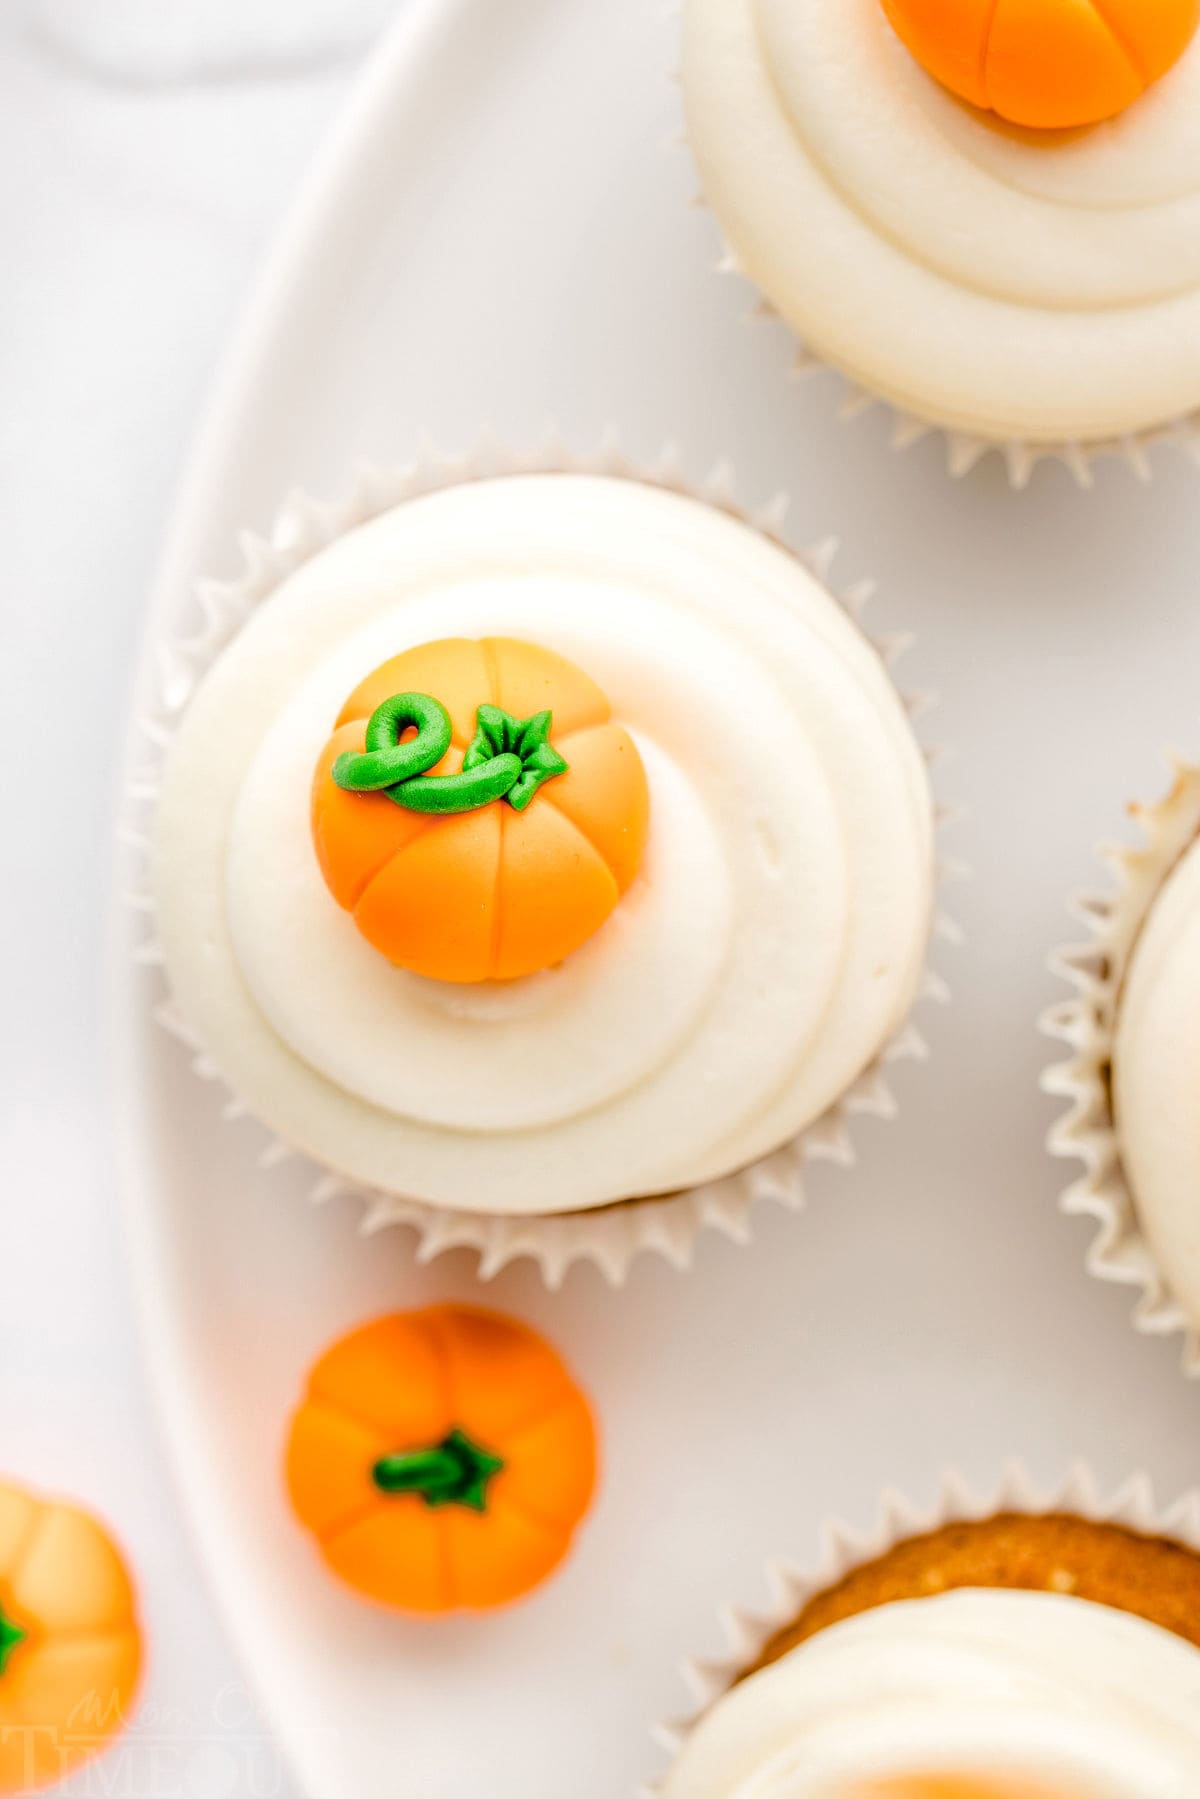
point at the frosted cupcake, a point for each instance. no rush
(1016, 1656)
(983, 215)
(543, 844)
(1134, 1071)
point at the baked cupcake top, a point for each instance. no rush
(976, 1694)
(756, 926)
(1025, 284)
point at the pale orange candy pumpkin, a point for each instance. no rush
(70, 1647)
(1047, 63)
(495, 893)
(442, 1459)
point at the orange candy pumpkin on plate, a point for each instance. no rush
(1047, 63)
(477, 810)
(70, 1647)
(442, 1459)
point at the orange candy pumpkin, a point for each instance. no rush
(442, 1459)
(494, 892)
(70, 1648)
(1047, 63)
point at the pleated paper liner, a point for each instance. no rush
(610, 1237)
(790, 1587)
(1086, 1023)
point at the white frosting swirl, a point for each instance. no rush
(1075, 1698)
(1156, 1079)
(1019, 284)
(771, 945)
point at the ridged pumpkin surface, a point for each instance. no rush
(70, 1647)
(396, 1390)
(494, 893)
(1047, 63)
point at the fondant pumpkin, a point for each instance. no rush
(442, 1459)
(553, 818)
(1047, 63)
(70, 1648)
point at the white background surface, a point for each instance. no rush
(133, 213)
(931, 1307)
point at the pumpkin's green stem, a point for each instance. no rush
(455, 1471)
(10, 1636)
(507, 759)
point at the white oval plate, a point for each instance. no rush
(501, 234)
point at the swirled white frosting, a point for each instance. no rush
(1156, 1079)
(1021, 285)
(770, 946)
(1023, 1690)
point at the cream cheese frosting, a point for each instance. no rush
(771, 945)
(1156, 1079)
(1039, 1688)
(1037, 286)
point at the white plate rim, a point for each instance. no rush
(425, 29)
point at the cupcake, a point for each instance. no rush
(1011, 1655)
(540, 845)
(984, 215)
(1133, 1027)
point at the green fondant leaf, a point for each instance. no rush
(11, 1635)
(533, 735)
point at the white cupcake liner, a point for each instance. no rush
(790, 1587)
(1086, 1023)
(611, 1236)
